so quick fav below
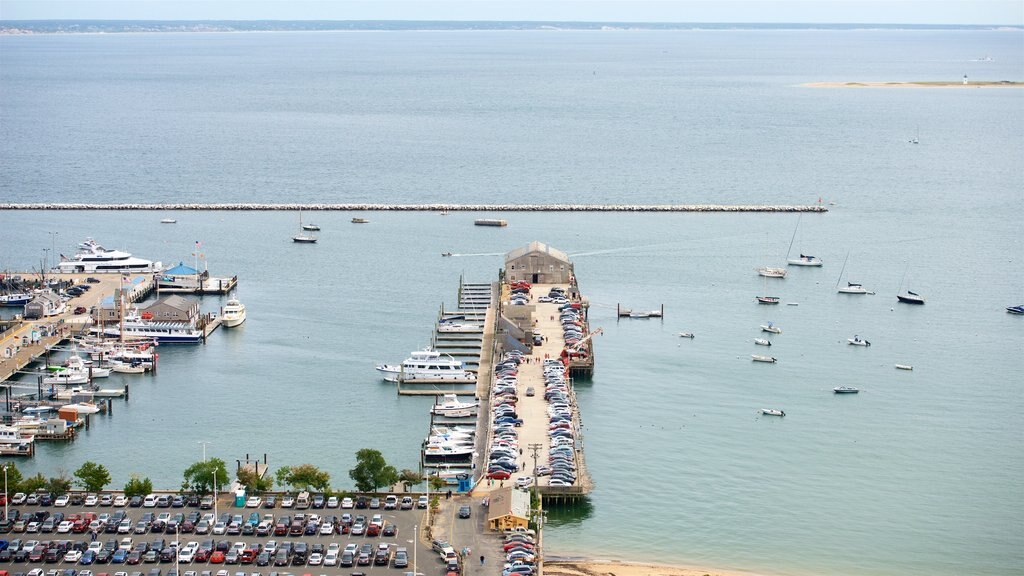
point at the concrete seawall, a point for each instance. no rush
(430, 207)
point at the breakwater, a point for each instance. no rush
(428, 207)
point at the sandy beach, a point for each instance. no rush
(596, 568)
(941, 84)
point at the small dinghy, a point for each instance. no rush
(845, 390)
(856, 341)
(904, 367)
(686, 334)
(772, 412)
(760, 358)
(762, 342)
(446, 254)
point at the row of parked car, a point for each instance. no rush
(520, 554)
(131, 553)
(561, 466)
(503, 453)
(150, 572)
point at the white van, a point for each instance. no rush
(302, 502)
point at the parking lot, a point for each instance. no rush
(55, 540)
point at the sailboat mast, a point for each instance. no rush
(793, 239)
(840, 279)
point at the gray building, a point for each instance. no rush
(45, 304)
(538, 263)
(174, 309)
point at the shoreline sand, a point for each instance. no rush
(923, 84)
(583, 567)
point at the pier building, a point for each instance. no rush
(538, 263)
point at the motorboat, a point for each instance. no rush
(65, 378)
(858, 341)
(904, 367)
(769, 327)
(760, 358)
(845, 390)
(168, 221)
(127, 367)
(311, 227)
(767, 299)
(12, 441)
(451, 407)
(360, 221)
(76, 393)
(456, 327)
(686, 334)
(93, 258)
(772, 412)
(78, 364)
(82, 408)
(762, 342)
(19, 299)
(427, 364)
(233, 314)
(1015, 309)
(772, 272)
(446, 254)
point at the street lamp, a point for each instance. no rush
(46, 256)
(53, 242)
(5, 491)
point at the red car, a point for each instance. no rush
(217, 557)
(499, 475)
(512, 545)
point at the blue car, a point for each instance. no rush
(119, 557)
(88, 557)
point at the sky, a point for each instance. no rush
(796, 11)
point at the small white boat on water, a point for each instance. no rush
(769, 327)
(761, 358)
(772, 412)
(686, 334)
(450, 406)
(427, 365)
(127, 368)
(456, 327)
(168, 221)
(771, 272)
(845, 390)
(83, 408)
(762, 342)
(65, 378)
(904, 367)
(856, 341)
(234, 313)
(851, 287)
(303, 237)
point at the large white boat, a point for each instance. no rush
(234, 313)
(444, 451)
(95, 259)
(65, 378)
(12, 441)
(427, 364)
(16, 299)
(456, 327)
(161, 332)
(451, 407)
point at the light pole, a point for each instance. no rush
(5, 491)
(53, 242)
(46, 256)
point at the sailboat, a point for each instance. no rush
(804, 259)
(767, 299)
(916, 139)
(302, 237)
(908, 297)
(771, 271)
(851, 287)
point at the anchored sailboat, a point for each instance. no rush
(804, 259)
(303, 237)
(851, 287)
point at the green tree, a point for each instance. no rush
(33, 483)
(92, 477)
(14, 478)
(371, 471)
(306, 476)
(436, 483)
(138, 486)
(59, 484)
(283, 475)
(253, 482)
(409, 478)
(201, 476)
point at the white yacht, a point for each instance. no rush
(455, 327)
(771, 272)
(12, 441)
(434, 451)
(93, 258)
(65, 378)
(452, 407)
(234, 313)
(161, 332)
(427, 364)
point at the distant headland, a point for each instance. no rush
(14, 27)
(919, 84)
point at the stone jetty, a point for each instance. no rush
(428, 207)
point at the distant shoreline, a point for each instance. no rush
(918, 84)
(429, 207)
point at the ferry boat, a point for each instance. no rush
(451, 407)
(427, 364)
(15, 299)
(234, 313)
(95, 259)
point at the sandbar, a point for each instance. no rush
(602, 568)
(921, 84)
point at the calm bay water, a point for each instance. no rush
(918, 474)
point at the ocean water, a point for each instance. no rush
(917, 474)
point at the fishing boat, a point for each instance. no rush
(15, 299)
(851, 287)
(303, 237)
(760, 358)
(93, 258)
(427, 364)
(856, 341)
(686, 334)
(904, 367)
(804, 259)
(133, 325)
(845, 390)
(233, 314)
(360, 221)
(762, 342)
(450, 406)
(769, 327)
(772, 412)
(1015, 309)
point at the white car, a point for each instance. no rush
(64, 527)
(254, 502)
(186, 555)
(91, 500)
(347, 503)
(62, 500)
(121, 501)
(331, 558)
(220, 528)
(19, 498)
(73, 556)
(327, 529)
(95, 547)
(149, 501)
(524, 481)
(287, 501)
(270, 547)
(315, 559)
(332, 502)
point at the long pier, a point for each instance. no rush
(428, 207)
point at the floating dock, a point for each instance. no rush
(490, 222)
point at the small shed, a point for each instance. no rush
(173, 309)
(45, 304)
(538, 263)
(508, 508)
